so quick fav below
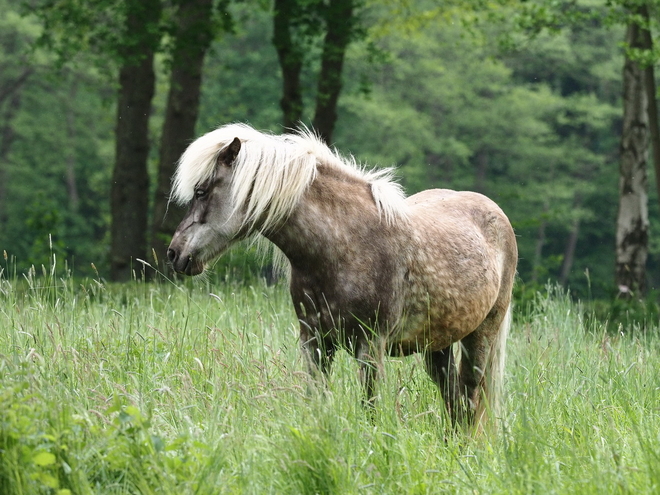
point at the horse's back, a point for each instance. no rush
(458, 213)
(456, 203)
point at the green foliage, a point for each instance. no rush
(241, 77)
(59, 143)
(624, 314)
(33, 458)
(535, 126)
(97, 33)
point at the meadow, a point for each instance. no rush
(198, 387)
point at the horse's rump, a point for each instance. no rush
(464, 249)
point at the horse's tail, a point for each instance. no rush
(494, 375)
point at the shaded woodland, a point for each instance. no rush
(546, 107)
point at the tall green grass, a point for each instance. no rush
(198, 388)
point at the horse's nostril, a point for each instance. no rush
(171, 255)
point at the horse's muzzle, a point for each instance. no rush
(186, 265)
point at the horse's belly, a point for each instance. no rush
(447, 299)
(436, 329)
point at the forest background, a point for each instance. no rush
(519, 100)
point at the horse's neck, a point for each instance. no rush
(336, 220)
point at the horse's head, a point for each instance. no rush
(212, 223)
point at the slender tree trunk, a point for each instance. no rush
(193, 37)
(10, 92)
(130, 180)
(632, 220)
(569, 252)
(11, 87)
(291, 62)
(538, 249)
(481, 171)
(71, 186)
(340, 26)
(7, 136)
(571, 244)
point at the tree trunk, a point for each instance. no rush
(571, 243)
(632, 221)
(7, 136)
(339, 25)
(481, 162)
(10, 91)
(291, 62)
(646, 42)
(70, 173)
(569, 253)
(11, 87)
(194, 35)
(538, 249)
(130, 180)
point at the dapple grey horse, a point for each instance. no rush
(372, 271)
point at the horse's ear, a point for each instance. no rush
(227, 156)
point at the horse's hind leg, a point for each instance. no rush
(477, 360)
(441, 367)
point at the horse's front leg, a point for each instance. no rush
(318, 352)
(370, 355)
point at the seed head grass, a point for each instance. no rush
(199, 388)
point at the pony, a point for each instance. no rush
(371, 270)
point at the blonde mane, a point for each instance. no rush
(271, 173)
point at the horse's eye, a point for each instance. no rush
(200, 193)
